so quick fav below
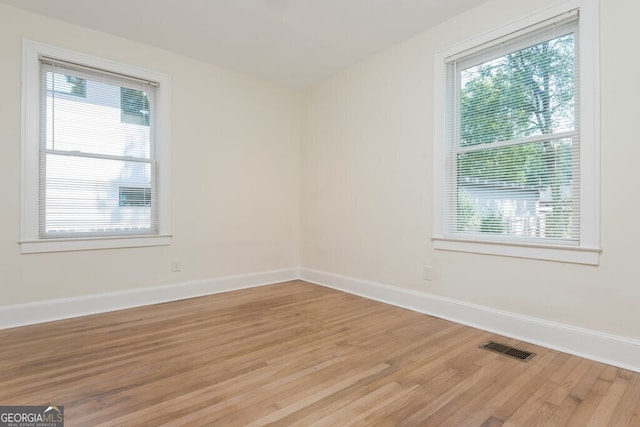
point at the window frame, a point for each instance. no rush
(30, 241)
(587, 251)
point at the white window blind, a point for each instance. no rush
(96, 139)
(512, 157)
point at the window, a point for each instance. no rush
(91, 179)
(134, 105)
(66, 84)
(516, 144)
(135, 196)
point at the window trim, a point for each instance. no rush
(30, 242)
(588, 250)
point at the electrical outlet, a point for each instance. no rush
(427, 273)
(176, 266)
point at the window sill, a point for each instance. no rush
(91, 243)
(576, 255)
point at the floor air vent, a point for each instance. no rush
(522, 355)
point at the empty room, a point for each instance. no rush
(322, 212)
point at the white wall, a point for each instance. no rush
(235, 169)
(367, 182)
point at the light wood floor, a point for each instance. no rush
(299, 354)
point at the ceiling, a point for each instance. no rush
(294, 43)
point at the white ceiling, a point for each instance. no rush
(294, 43)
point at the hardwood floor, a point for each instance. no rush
(299, 354)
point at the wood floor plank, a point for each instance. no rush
(605, 410)
(568, 384)
(296, 354)
(590, 403)
(564, 411)
(623, 412)
(493, 401)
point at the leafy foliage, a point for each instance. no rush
(78, 85)
(135, 106)
(492, 224)
(525, 93)
(528, 92)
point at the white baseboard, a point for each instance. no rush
(64, 308)
(610, 349)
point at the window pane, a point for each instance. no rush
(524, 93)
(525, 190)
(135, 196)
(92, 124)
(89, 155)
(66, 84)
(83, 196)
(135, 106)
